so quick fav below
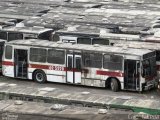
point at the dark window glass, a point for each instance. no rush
(14, 36)
(157, 55)
(56, 56)
(84, 41)
(1, 53)
(78, 63)
(92, 60)
(100, 41)
(112, 62)
(149, 67)
(55, 37)
(8, 52)
(70, 59)
(45, 35)
(3, 35)
(38, 55)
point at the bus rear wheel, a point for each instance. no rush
(114, 85)
(39, 76)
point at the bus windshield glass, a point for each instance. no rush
(149, 67)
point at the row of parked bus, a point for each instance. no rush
(81, 43)
(91, 65)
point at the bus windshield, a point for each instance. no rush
(149, 67)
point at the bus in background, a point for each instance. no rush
(2, 42)
(90, 65)
(15, 33)
(91, 34)
(81, 34)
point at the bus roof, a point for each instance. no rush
(79, 47)
(139, 45)
(34, 30)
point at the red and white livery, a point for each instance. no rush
(91, 65)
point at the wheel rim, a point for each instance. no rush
(39, 77)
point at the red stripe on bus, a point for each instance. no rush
(7, 63)
(57, 68)
(38, 66)
(108, 73)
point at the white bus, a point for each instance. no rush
(90, 65)
(144, 45)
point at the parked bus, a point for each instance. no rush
(90, 65)
(15, 33)
(144, 45)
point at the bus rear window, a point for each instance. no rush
(8, 52)
(38, 55)
(56, 56)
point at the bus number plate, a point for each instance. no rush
(57, 68)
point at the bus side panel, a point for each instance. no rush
(8, 68)
(33, 67)
(97, 77)
(90, 77)
(56, 73)
(8, 64)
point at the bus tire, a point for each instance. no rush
(39, 76)
(114, 85)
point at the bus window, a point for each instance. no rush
(112, 62)
(55, 37)
(84, 41)
(100, 41)
(78, 63)
(45, 35)
(56, 56)
(1, 52)
(157, 55)
(70, 60)
(14, 36)
(92, 60)
(38, 55)
(8, 52)
(3, 35)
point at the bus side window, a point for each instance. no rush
(15, 36)
(84, 40)
(38, 55)
(92, 60)
(157, 55)
(100, 41)
(113, 62)
(8, 52)
(56, 56)
(3, 35)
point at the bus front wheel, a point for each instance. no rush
(39, 76)
(114, 85)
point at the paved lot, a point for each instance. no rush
(152, 94)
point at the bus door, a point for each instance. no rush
(74, 62)
(20, 63)
(131, 74)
